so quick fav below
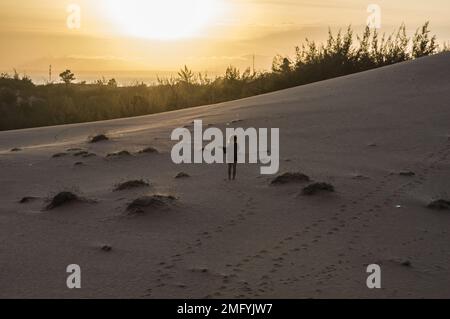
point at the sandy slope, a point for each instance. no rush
(244, 238)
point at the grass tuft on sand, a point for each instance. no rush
(290, 177)
(58, 155)
(155, 202)
(182, 175)
(130, 185)
(99, 138)
(148, 150)
(27, 199)
(440, 204)
(315, 188)
(63, 198)
(118, 154)
(407, 173)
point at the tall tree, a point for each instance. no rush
(67, 76)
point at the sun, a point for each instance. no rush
(163, 19)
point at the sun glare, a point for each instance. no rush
(163, 19)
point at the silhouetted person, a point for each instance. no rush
(232, 157)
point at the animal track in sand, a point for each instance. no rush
(425, 167)
(282, 253)
(168, 271)
(282, 257)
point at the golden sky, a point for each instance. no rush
(162, 35)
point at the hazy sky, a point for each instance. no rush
(145, 35)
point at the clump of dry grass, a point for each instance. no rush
(130, 185)
(407, 173)
(182, 175)
(439, 204)
(317, 187)
(99, 138)
(57, 155)
(27, 199)
(152, 202)
(290, 177)
(120, 153)
(63, 198)
(148, 150)
(80, 153)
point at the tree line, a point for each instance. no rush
(24, 104)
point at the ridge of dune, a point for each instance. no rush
(380, 139)
(429, 69)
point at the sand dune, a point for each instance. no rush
(246, 238)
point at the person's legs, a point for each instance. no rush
(234, 170)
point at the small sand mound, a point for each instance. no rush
(148, 150)
(27, 199)
(16, 149)
(407, 173)
(78, 164)
(406, 263)
(98, 138)
(141, 204)
(130, 185)
(63, 198)
(182, 175)
(360, 177)
(81, 153)
(287, 178)
(234, 122)
(106, 248)
(57, 155)
(200, 270)
(439, 204)
(74, 149)
(89, 155)
(317, 187)
(117, 154)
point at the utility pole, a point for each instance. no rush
(50, 74)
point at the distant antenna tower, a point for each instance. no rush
(50, 74)
(253, 63)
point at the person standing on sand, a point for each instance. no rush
(232, 156)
